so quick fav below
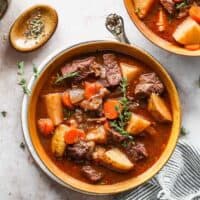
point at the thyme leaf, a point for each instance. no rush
(181, 5)
(20, 66)
(68, 113)
(184, 131)
(66, 76)
(3, 113)
(36, 72)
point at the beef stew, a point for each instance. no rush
(177, 21)
(93, 124)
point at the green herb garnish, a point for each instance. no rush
(66, 76)
(22, 81)
(22, 145)
(68, 113)
(20, 67)
(36, 73)
(124, 114)
(3, 113)
(184, 131)
(137, 11)
(181, 5)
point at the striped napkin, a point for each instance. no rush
(178, 180)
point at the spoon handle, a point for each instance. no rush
(115, 25)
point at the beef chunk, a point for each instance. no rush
(113, 72)
(148, 83)
(80, 151)
(136, 151)
(115, 137)
(169, 5)
(92, 174)
(83, 66)
(95, 102)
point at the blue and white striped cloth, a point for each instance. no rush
(178, 180)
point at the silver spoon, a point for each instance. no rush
(3, 7)
(115, 25)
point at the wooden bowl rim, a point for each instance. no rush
(22, 15)
(79, 185)
(153, 38)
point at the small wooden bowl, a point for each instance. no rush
(29, 117)
(18, 31)
(150, 35)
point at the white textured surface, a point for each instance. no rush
(79, 20)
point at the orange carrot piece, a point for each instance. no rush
(91, 89)
(195, 13)
(74, 135)
(110, 108)
(66, 100)
(45, 126)
(192, 47)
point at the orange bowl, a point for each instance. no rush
(29, 117)
(150, 35)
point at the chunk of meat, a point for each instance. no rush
(148, 83)
(82, 66)
(115, 137)
(113, 72)
(136, 151)
(80, 151)
(137, 124)
(58, 144)
(91, 174)
(53, 104)
(143, 7)
(77, 65)
(93, 103)
(98, 135)
(169, 5)
(158, 108)
(129, 72)
(187, 32)
(116, 160)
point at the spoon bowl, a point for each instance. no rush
(33, 28)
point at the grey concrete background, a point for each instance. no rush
(79, 20)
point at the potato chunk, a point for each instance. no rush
(116, 160)
(158, 108)
(129, 72)
(54, 107)
(58, 144)
(143, 7)
(97, 135)
(188, 32)
(137, 124)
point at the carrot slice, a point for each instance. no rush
(45, 126)
(66, 100)
(110, 108)
(195, 13)
(74, 135)
(91, 89)
(192, 47)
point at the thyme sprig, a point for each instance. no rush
(181, 5)
(124, 114)
(22, 81)
(60, 78)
